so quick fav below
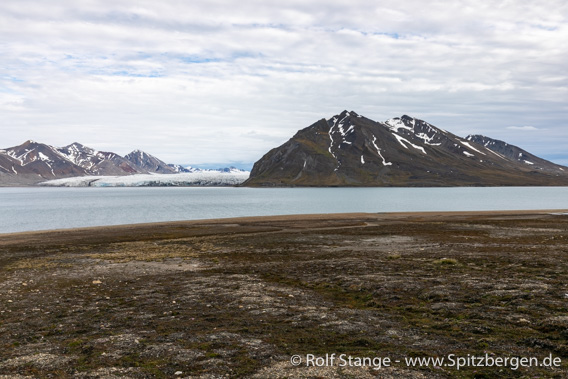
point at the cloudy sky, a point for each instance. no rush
(221, 82)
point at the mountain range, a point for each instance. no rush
(344, 150)
(33, 162)
(351, 150)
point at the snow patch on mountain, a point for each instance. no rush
(20, 158)
(499, 155)
(471, 147)
(403, 140)
(385, 163)
(396, 123)
(331, 142)
(79, 154)
(427, 139)
(43, 157)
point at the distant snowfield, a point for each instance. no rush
(202, 178)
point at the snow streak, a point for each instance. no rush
(401, 140)
(385, 163)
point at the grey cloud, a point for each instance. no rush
(198, 72)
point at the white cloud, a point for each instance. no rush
(526, 128)
(200, 81)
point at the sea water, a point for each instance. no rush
(31, 208)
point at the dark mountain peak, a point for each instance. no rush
(138, 154)
(413, 121)
(484, 140)
(178, 168)
(135, 154)
(348, 113)
(147, 162)
(75, 148)
(404, 120)
(25, 150)
(343, 123)
(398, 122)
(76, 145)
(344, 115)
(29, 144)
(351, 150)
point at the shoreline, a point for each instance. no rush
(156, 230)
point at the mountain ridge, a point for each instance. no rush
(351, 150)
(32, 163)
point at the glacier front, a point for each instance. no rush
(199, 178)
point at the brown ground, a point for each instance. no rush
(239, 297)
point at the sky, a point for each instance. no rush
(216, 83)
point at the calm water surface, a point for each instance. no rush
(26, 209)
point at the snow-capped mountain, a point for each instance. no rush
(178, 168)
(98, 162)
(352, 150)
(149, 163)
(33, 162)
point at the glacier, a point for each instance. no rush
(198, 178)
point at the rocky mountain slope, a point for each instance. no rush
(33, 162)
(352, 150)
(98, 162)
(149, 163)
(515, 153)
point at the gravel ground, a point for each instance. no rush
(241, 297)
